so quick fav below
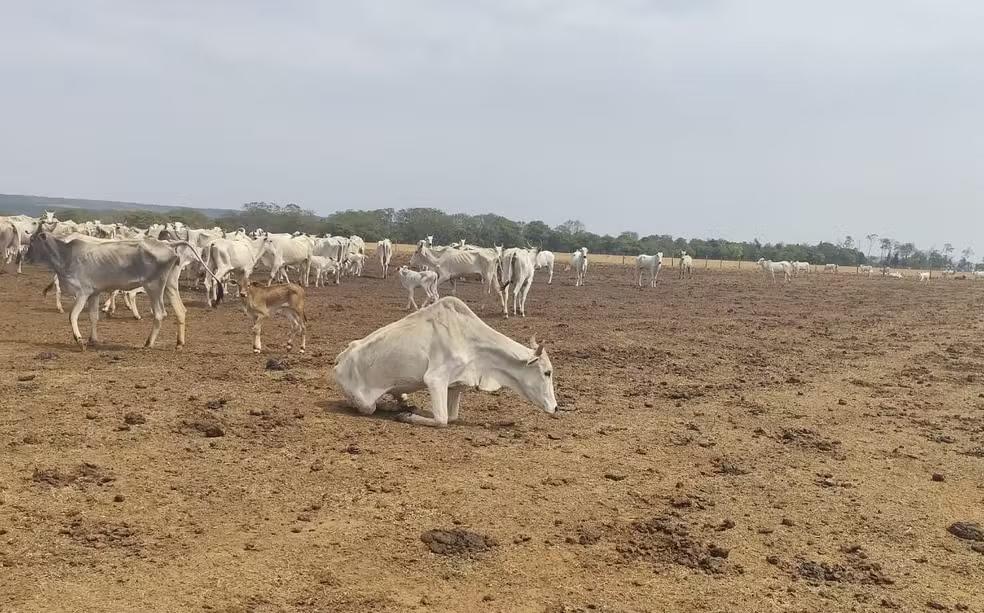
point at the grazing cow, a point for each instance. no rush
(896, 275)
(866, 269)
(834, 268)
(545, 259)
(232, 256)
(924, 276)
(979, 274)
(651, 263)
(10, 245)
(445, 349)
(324, 266)
(88, 268)
(384, 251)
(426, 279)
(287, 299)
(454, 263)
(686, 265)
(579, 262)
(771, 268)
(948, 274)
(518, 266)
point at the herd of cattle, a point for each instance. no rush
(444, 348)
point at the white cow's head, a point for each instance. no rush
(535, 378)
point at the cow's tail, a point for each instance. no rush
(219, 290)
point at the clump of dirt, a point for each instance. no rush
(100, 534)
(134, 419)
(857, 569)
(667, 539)
(277, 364)
(457, 542)
(807, 437)
(82, 475)
(966, 530)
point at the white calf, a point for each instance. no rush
(924, 276)
(411, 279)
(686, 265)
(579, 262)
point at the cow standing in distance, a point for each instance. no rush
(518, 267)
(384, 251)
(545, 259)
(579, 262)
(88, 268)
(454, 263)
(652, 264)
(686, 266)
(866, 269)
(445, 349)
(771, 268)
(10, 245)
(834, 268)
(800, 267)
(263, 301)
(227, 256)
(323, 267)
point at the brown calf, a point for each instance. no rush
(260, 300)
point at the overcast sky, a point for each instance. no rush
(776, 119)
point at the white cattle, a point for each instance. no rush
(579, 262)
(354, 263)
(324, 266)
(652, 264)
(686, 265)
(979, 274)
(356, 245)
(799, 267)
(948, 274)
(831, 268)
(384, 252)
(454, 263)
(771, 268)
(518, 266)
(285, 250)
(924, 276)
(10, 245)
(232, 256)
(88, 268)
(545, 259)
(896, 275)
(866, 269)
(445, 349)
(426, 279)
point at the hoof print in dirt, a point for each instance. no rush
(457, 542)
(217, 404)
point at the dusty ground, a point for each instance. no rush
(724, 446)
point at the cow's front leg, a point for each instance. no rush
(93, 304)
(438, 390)
(454, 397)
(73, 317)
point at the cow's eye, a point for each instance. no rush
(547, 373)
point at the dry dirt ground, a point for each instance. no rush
(723, 445)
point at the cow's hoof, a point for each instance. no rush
(301, 350)
(403, 416)
(257, 351)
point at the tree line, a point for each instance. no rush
(412, 224)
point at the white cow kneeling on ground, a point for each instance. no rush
(445, 349)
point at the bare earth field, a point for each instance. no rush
(723, 445)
